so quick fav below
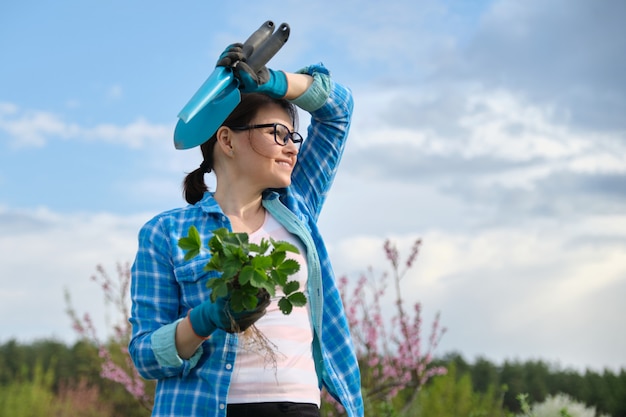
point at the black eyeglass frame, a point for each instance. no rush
(295, 137)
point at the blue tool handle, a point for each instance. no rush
(268, 49)
(257, 38)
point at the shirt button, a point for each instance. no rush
(222, 406)
(229, 366)
(224, 219)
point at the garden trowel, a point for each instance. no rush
(219, 94)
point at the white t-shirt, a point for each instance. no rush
(290, 375)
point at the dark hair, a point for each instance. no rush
(194, 186)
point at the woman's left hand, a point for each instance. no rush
(264, 81)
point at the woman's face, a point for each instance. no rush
(259, 158)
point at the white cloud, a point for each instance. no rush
(526, 286)
(33, 128)
(43, 253)
(555, 53)
(496, 122)
(135, 135)
(528, 141)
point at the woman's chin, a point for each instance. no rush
(283, 184)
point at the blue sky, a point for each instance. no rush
(493, 130)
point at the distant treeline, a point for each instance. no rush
(48, 377)
(605, 391)
(71, 366)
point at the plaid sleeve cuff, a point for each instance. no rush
(164, 348)
(317, 94)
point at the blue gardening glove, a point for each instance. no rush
(210, 316)
(264, 81)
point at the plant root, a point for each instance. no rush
(253, 340)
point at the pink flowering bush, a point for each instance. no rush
(395, 363)
(116, 362)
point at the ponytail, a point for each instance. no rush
(194, 186)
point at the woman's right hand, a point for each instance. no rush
(209, 316)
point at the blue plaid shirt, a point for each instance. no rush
(164, 286)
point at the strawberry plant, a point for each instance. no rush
(247, 269)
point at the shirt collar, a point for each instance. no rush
(208, 204)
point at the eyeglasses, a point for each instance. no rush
(282, 134)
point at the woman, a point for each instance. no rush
(270, 183)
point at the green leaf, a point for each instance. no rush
(219, 289)
(282, 246)
(215, 243)
(232, 266)
(236, 301)
(249, 290)
(256, 249)
(230, 272)
(215, 263)
(249, 301)
(269, 287)
(192, 253)
(246, 274)
(188, 243)
(191, 243)
(298, 299)
(278, 278)
(236, 253)
(193, 237)
(290, 287)
(258, 278)
(285, 305)
(261, 262)
(239, 240)
(289, 267)
(261, 248)
(278, 258)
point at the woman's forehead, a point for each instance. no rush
(273, 113)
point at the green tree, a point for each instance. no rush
(453, 395)
(484, 374)
(512, 376)
(536, 376)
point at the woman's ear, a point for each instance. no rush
(225, 140)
